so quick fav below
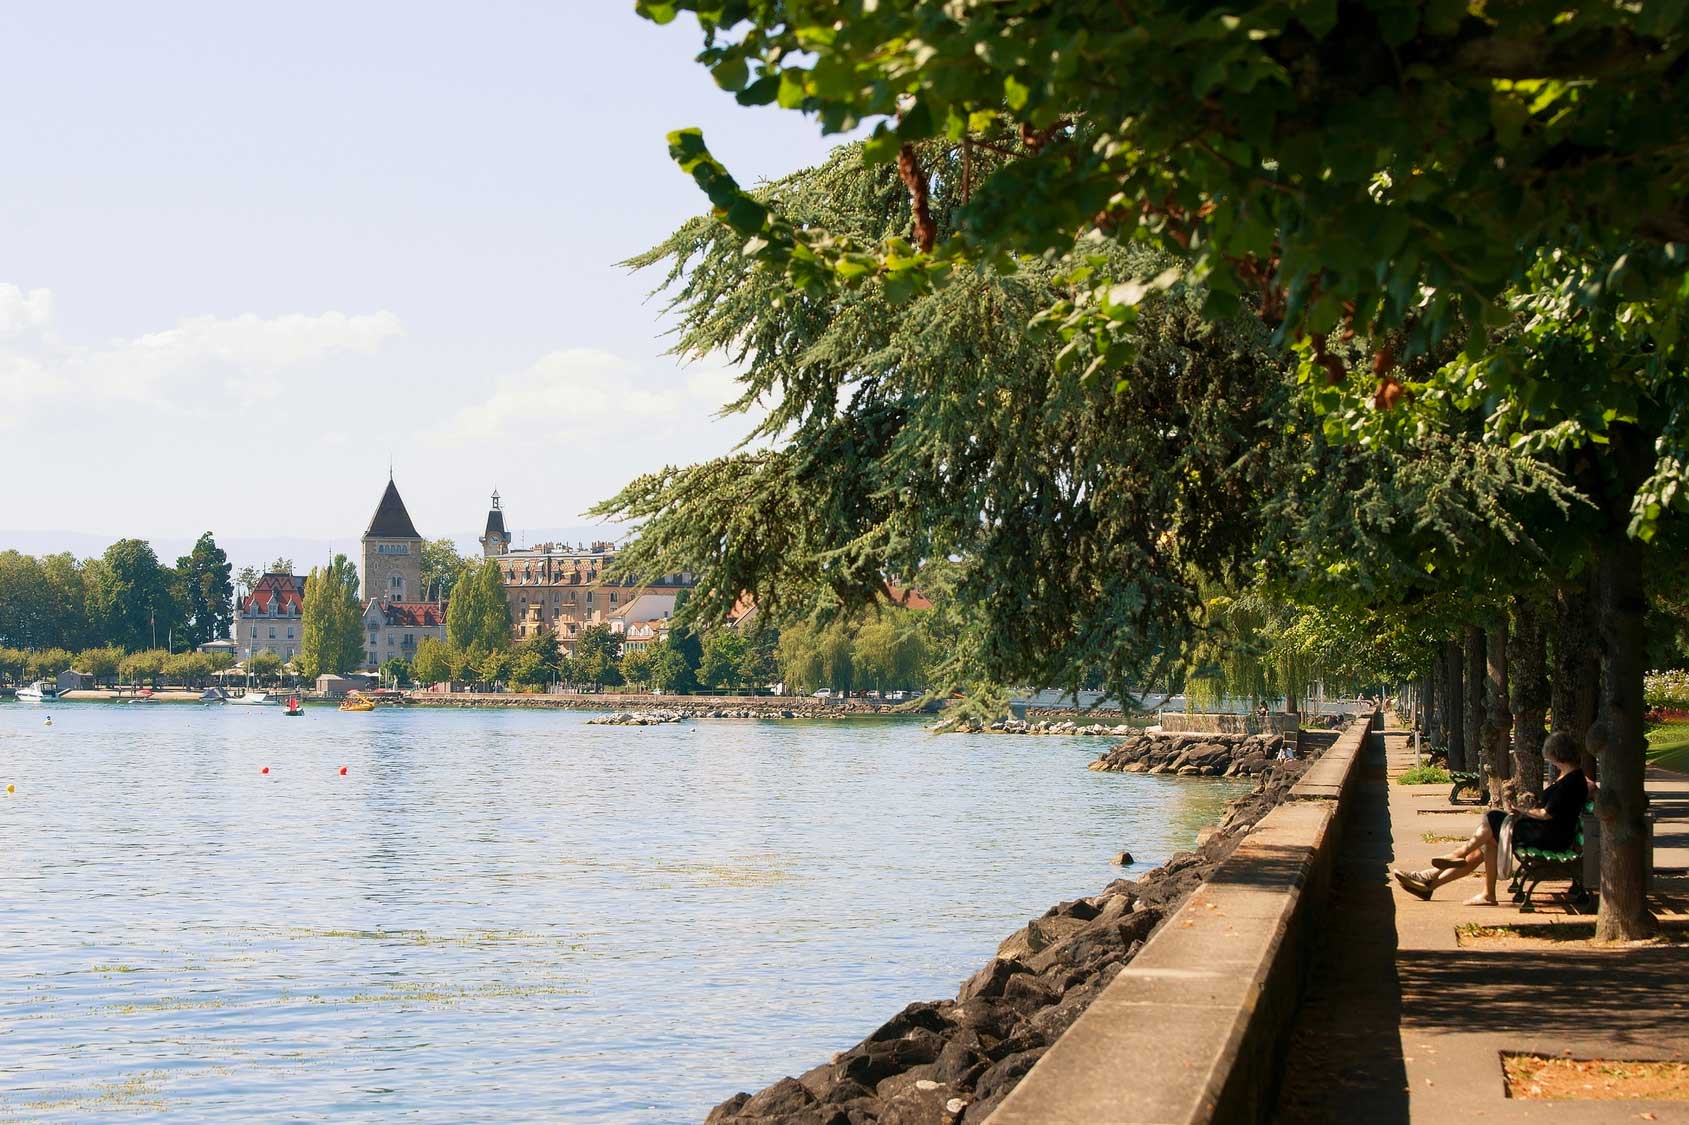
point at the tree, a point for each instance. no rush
(101, 663)
(537, 660)
(134, 601)
(395, 670)
(479, 615)
(433, 662)
(1412, 175)
(248, 576)
(636, 666)
(331, 634)
(492, 666)
(148, 665)
(441, 566)
(281, 565)
(264, 665)
(596, 657)
(208, 593)
(722, 661)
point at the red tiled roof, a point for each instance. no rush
(288, 588)
(908, 597)
(417, 615)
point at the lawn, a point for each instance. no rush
(1668, 746)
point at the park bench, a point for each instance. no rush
(1532, 865)
(1468, 789)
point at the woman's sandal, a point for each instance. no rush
(1479, 900)
(1444, 863)
(1412, 884)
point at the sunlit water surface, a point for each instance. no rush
(507, 916)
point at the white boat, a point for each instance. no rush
(41, 691)
(256, 699)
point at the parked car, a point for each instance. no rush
(822, 693)
(896, 696)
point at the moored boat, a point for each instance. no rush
(41, 691)
(293, 707)
(256, 699)
(356, 702)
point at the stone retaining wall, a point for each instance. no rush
(953, 1062)
(681, 706)
(1192, 1030)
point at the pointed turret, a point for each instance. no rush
(495, 540)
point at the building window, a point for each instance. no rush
(290, 632)
(272, 632)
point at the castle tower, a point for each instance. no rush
(495, 540)
(392, 552)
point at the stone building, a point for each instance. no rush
(396, 628)
(395, 622)
(267, 618)
(392, 562)
(562, 588)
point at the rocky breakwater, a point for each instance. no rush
(1022, 726)
(951, 1062)
(656, 718)
(1193, 755)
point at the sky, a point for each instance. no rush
(248, 255)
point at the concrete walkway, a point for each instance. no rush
(1401, 1022)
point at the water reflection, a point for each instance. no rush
(508, 916)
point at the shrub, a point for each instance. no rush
(1667, 689)
(1424, 775)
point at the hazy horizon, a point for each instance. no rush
(252, 259)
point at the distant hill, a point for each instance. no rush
(260, 550)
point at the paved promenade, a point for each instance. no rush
(1406, 1018)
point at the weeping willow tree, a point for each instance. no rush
(1074, 517)
(1255, 649)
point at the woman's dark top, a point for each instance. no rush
(1563, 802)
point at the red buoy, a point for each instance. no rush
(266, 769)
(342, 771)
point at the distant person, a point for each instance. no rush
(1552, 827)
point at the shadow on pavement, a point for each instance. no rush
(1344, 1061)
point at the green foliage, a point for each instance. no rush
(596, 657)
(102, 663)
(207, 591)
(133, 597)
(739, 659)
(898, 424)
(1389, 168)
(537, 661)
(396, 671)
(264, 665)
(144, 666)
(490, 669)
(331, 633)
(433, 663)
(479, 615)
(441, 566)
(1424, 775)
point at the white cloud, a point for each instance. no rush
(22, 312)
(242, 359)
(585, 394)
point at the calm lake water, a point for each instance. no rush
(508, 916)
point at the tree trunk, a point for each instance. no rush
(1422, 705)
(1454, 731)
(1473, 676)
(1577, 666)
(1498, 720)
(1528, 665)
(1621, 747)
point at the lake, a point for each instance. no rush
(508, 915)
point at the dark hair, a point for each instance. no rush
(1559, 747)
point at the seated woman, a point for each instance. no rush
(1552, 827)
